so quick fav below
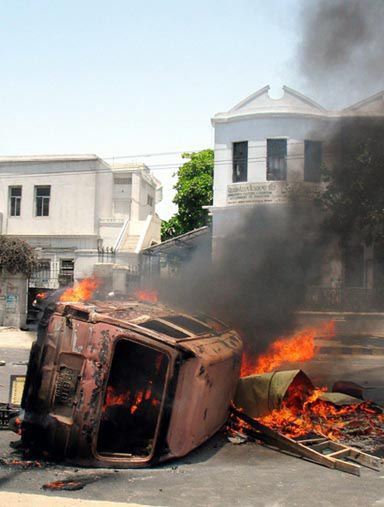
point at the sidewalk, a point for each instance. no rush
(13, 338)
(22, 499)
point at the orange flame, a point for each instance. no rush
(148, 296)
(81, 291)
(41, 295)
(132, 403)
(303, 412)
(111, 398)
(297, 348)
(137, 401)
(300, 415)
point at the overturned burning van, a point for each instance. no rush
(126, 384)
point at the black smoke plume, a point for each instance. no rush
(341, 48)
(263, 267)
(260, 274)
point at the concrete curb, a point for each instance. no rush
(21, 499)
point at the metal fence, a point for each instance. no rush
(354, 299)
(51, 278)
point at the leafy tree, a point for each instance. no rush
(194, 189)
(354, 195)
(17, 256)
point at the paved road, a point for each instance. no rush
(216, 474)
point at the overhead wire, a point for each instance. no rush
(130, 165)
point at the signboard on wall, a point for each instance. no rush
(11, 302)
(273, 192)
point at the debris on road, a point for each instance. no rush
(74, 482)
(317, 448)
(21, 463)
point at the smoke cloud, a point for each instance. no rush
(341, 48)
(264, 266)
(260, 274)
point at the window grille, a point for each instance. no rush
(42, 197)
(240, 161)
(312, 160)
(276, 159)
(15, 201)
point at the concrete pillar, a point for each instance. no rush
(13, 299)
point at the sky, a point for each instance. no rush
(122, 78)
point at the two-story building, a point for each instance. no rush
(265, 150)
(78, 212)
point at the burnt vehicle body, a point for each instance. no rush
(124, 384)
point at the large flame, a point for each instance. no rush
(81, 291)
(296, 348)
(302, 414)
(302, 411)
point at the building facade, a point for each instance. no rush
(268, 149)
(78, 212)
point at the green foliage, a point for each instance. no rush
(170, 228)
(354, 196)
(17, 256)
(194, 189)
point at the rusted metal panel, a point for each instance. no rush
(66, 398)
(206, 386)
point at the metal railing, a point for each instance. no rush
(354, 299)
(51, 279)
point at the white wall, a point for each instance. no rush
(81, 210)
(72, 200)
(256, 131)
(103, 193)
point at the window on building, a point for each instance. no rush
(123, 181)
(312, 160)
(354, 266)
(44, 265)
(240, 161)
(42, 198)
(150, 200)
(15, 201)
(276, 159)
(67, 268)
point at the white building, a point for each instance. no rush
(266, 147)
(78, 211)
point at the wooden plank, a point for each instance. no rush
(365, 459)
(344, 466)
(311, 440)
(337, 454)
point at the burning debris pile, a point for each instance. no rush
(337, 417)
(285, 407)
